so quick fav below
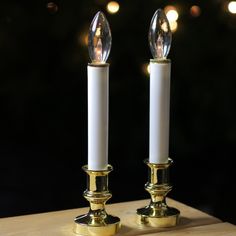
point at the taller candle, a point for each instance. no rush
(99, 45)
(159, 41)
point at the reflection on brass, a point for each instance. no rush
(97, 221)
(158, 213)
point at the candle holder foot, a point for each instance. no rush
(97, 221)
(158, 213)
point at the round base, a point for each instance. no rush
(167, 217)
(84, 226)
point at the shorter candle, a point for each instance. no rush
(159, 41)
(99, 45)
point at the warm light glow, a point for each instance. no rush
(172, 15)
(195, 11)
(113, 7)
(232, 7)
(168, 8)
(99, 39)
(159, 35)
(173, 26)
(146, 68)
(83, 39)
(52, 7)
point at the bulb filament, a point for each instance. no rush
(98, 51)
(160, 47)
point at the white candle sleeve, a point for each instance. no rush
(159, 111)
(98, 85)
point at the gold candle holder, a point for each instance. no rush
(97, 221)
(158, 213)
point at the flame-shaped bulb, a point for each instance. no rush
(159, 35)
(99, 39)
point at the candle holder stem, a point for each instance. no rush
(158, 213)
(97, 221)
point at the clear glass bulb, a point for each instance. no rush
(99, 39)
(159, 35)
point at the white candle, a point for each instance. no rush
(159, 112)
(159, 39)
(98, 88)
(98, 80)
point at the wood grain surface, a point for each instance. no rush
(60, 223)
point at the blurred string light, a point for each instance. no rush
(195, 11)
(146, 69)
(52, 7)
(232, 7)
(172, 16)
(113, 7)
(173, 26)
(83, 39)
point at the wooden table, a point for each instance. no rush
(193, 222)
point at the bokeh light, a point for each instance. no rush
(146, 69)
(172, 16)
(52, 7)
(232, 7)
(173, 26)
(83, 38)
(113, 7)
(195, 11)
(171, 13)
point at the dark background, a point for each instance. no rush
(43, 116)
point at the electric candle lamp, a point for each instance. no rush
(158, 213)
(160, 42)
(97, 222)
(99, 45)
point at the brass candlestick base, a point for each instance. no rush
(97, 221)
(157, 213)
